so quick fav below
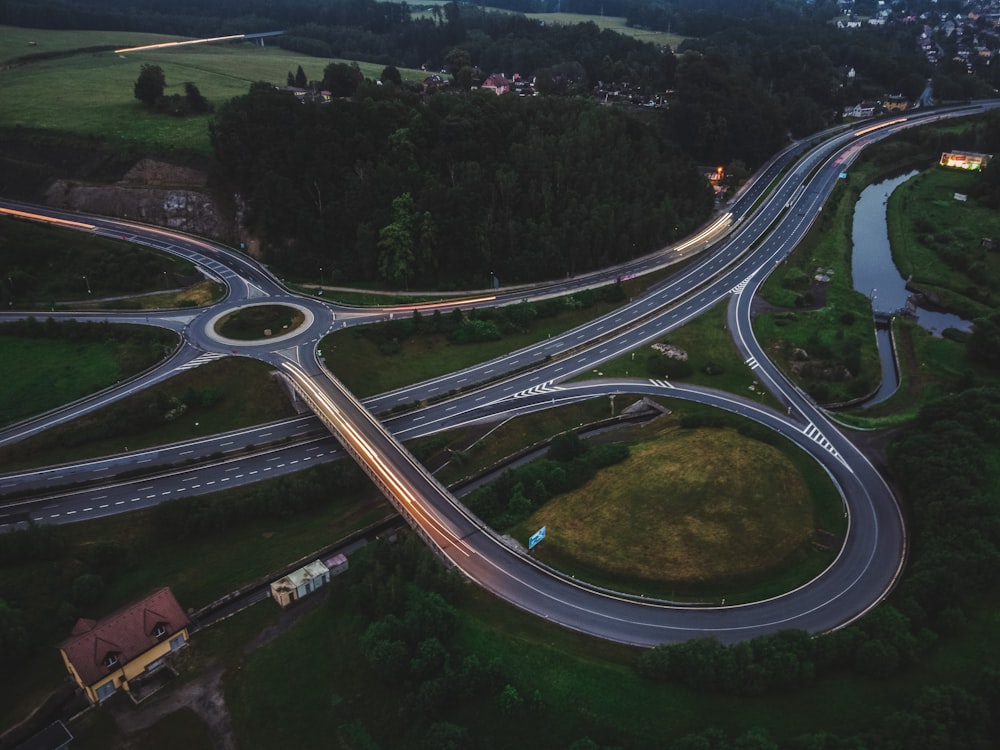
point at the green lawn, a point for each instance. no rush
(713, 358)
(612, 23)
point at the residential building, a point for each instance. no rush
(106, 655)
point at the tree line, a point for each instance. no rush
(448, 192)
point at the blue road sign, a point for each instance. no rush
(536, 538)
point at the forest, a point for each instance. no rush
(382, 188)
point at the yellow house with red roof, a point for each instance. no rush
(104, 655)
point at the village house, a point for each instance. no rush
(111, 654)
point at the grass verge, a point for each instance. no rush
(217, 397)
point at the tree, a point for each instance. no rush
(196, 102)
(150, 84)
(300, 78)
(341, 79)
(390, 73)
(984, 343)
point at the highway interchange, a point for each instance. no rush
(731, 258)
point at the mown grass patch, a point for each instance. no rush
(219, 396)
(671, 519)
(256, 322)
(41, 374)
(712, 358)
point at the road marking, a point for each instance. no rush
(662, 383)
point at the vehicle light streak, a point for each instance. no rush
(703, 236)
(164, 45)
(881, 125)
(46, 219)
(446, 303)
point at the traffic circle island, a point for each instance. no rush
(260, 324)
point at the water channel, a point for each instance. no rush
(875, 274)
(872, 268)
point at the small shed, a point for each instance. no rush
(337, 564)
(300, 583)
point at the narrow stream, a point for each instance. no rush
(875, 274)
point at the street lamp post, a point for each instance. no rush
(87, 282)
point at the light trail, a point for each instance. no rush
(881, 125)
(165, 45)
(705, 235)
(46, 219)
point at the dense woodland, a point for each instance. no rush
(447, 192)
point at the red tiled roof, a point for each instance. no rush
(126, 633)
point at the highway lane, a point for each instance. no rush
(47, 479)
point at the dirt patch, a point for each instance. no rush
(151, 191)
(203, 695)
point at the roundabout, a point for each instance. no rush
(307, 322)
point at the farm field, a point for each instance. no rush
(97, 86)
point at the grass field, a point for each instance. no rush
(97, 87)
(41, 374)
(612, 23)
(671, 514)
(247, 395)
(201, 294)
(937, 240)
(713, 357)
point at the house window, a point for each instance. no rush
(105, 690)
(160, 630)
(176, 642)
(111, 661)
